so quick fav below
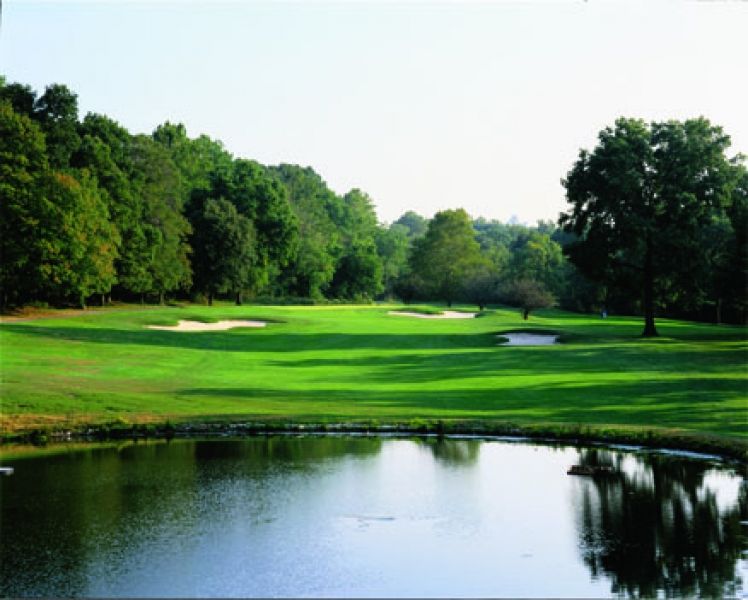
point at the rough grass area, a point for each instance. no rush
(329, 364)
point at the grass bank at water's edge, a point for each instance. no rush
(37, 442)
(358, 365)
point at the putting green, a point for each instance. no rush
(342, 363)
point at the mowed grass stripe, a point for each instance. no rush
(351, 362)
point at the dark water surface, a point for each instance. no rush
(366, 516)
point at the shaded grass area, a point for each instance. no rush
(352, 363)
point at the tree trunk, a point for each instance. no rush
(83, 302)
(103, 300)
(210, 299)
(649, 320)
(142, 298)
(718, 308)
(238, 298)
(161, 298)
(525, 313)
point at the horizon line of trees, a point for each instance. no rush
(89, 210)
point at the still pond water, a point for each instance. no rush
(369, 516)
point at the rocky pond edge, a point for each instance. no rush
(704, 445)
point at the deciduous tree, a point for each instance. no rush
(158, 183)
(224, 252)
(23, 169)
(527, 294)
(57, 112)
(79, 242)
(638, 199)
(446, 254)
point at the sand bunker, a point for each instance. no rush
(447, 314)
(198, 326)
(528, 339)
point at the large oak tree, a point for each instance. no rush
(638, 200)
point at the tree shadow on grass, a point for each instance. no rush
(699, 404)
(386, 357)
(257, 340)
(491, 362)
(275, 339)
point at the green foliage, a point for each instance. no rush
(125, 205)
(57, 237)
(493, 234)
(263, 199)
(481, 285)
(78, 244)
(197, 159)
(639, 200)
(409, 286)
(115, 137)
(663, 193)
(415, 224)
(392, 247)
(446, 254)
(20, 97)
(534, 255)
(735, 281)
(157, 182)
(358, 272)
(23, 169)
(528, 294)
(224, 249)
(57, 113)
(309, 274)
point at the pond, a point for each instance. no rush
(369, 516)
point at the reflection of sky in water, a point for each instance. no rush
(725, 487)
(341, 516)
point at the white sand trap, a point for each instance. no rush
(198, 326)
(447, 314)
(528, 339)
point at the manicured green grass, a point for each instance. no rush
(347, 363)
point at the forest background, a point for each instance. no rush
(92, 213)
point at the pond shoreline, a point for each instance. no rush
(706, 446)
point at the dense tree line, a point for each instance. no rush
(89, 211)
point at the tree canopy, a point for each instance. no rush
(224, 247)
(657, 222)
(444, 256)
(639, 199)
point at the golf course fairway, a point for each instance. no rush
(338, 364)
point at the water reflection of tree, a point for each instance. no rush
(658, 527)
(453, 452)
(298, 451)
(65, 518)
(53, 510)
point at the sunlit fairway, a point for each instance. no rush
(352, 363)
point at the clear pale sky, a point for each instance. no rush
(425, 106)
